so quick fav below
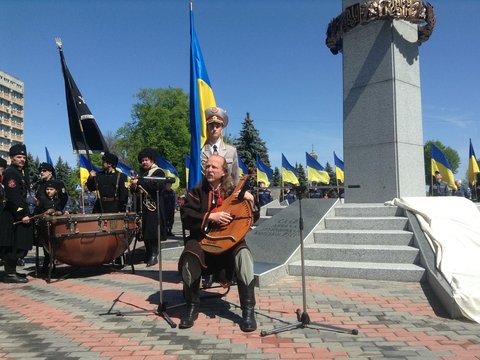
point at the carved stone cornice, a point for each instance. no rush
(414, 11)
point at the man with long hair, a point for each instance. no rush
(199, 211)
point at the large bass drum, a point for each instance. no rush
(87, 239)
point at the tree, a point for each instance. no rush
(276, 177)
(160, 120)
(64, 172)
(114, 146)
(450, 154)
(33, 166)
(302, 177)
(249, 144)
(331, 173)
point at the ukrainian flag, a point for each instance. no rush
(242, 168)
(85, 167)
(339, 169)
(315, 171)
(472, 166)
(169, 170)
(124, 169)
(121, 167)
(187, 169)
(289, 173)
(440, 163)
(264, 173)
(201, 97)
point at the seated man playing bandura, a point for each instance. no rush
(200, 210)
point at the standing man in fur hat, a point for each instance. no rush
(217, 120)
(112, 194)
(15, 239)
(47, 173)
(148, 190)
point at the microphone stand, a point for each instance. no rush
(162, 308)
(303, 319)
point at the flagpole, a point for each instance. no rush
(59, 43)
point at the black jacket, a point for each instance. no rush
(18, 236)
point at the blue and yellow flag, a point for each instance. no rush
(85, 167)
(201, 97)
(187, 169)
(169, 170)
(264, 173)
(339, 169)
(49, 159)
(472, 166)
(242, 168)
(315, 171)
(127, 170)
(440, 163)
(289, 173)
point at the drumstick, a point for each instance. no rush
(48, 212)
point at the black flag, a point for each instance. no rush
(83, 127)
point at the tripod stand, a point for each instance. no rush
(303, 319)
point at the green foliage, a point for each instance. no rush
(451, 155)
(249, 144)
(33, 165)
(302, 177)
(65, 173)
(276, 177)
(331, 173)
(160, 121)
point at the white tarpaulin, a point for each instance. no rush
(452, 225)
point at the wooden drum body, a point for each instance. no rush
(87, 239)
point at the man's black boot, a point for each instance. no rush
(153, 258)
(247, 303)
(192, 298)
(11, 276)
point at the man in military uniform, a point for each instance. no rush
(148, 191)
(112, 194)
(47, 173)
(439, 187)
(264, 195)
(217, 120)
(15, 239)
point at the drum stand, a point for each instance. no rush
(303, 319)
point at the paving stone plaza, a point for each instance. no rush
(109, 314)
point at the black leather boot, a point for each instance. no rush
(11, 275)
(153, 258)
(192, 298)
(247, 303)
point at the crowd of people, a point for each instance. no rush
(154, 201)
(441, 188)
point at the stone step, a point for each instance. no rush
(367, 210)
(362, 253)
(359, 270)
(367, 237)
(271, 211)
(366, 223)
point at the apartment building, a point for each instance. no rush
(11, 112)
